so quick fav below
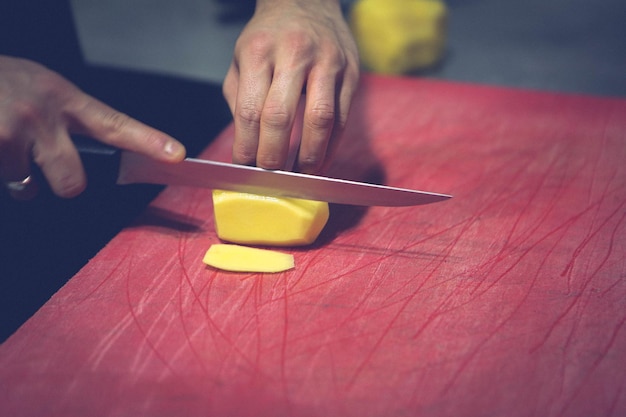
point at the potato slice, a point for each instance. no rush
(245, 259)
(260, 220)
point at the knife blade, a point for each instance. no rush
(135, 168)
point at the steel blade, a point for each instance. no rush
(137, 168)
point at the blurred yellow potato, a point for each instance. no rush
(399, 36)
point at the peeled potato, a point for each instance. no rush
(260, 220)
(399, 36)
(244, 259)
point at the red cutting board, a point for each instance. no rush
(508, 300)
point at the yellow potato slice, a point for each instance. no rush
(260, 220)
(245, 259)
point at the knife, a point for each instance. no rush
(133, 168)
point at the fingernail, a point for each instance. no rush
(173, 148)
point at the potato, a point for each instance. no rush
(245, 259)
(260, 220)
(399, 36)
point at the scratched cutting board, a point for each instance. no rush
(508, 299)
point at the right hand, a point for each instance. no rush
(39, 109)
(287, 48)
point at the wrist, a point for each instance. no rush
(308, 3)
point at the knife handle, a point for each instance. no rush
(100, 161)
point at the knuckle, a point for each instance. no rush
(261, 45)
(276, 117)
(249, 114)
(47, 157)
(115, 121)
(152, 138)
(336, 56)
(322, 116)
(300, 44)
(65, 181)
(69, 186)
(269, 161)
(310, 162)
(342, 120)
(255, 47)
(50, 84)
(244, 155)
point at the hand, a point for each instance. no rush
(290, 47)
(39, 110)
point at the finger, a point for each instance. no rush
(319, 122)
(96, 119)
(61, 165)
(254, 83)
(279, 112)
(230, 86)
(349, 84)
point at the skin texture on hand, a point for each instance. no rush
(39, 109)
(288, 48)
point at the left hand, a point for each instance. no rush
(40, 110)
(289, 48)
